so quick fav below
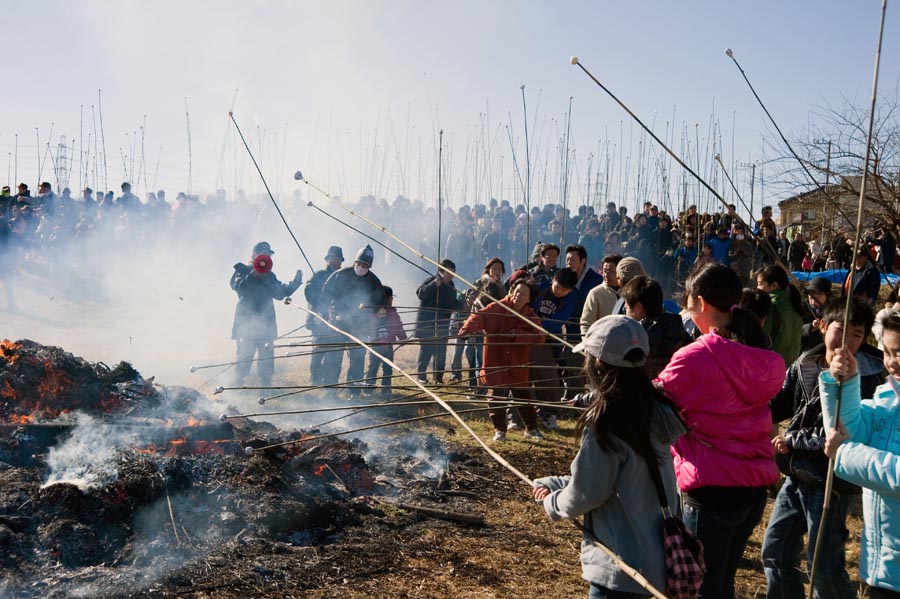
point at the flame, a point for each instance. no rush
(195, 422)
(23, 419)
(10, 350)
(318, 470)
(54, 382)
(7, 392)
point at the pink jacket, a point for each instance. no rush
(723, 389)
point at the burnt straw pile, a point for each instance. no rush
(114, 486)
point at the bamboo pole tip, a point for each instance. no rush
(573, 60)
(729, 53)
(230, 114)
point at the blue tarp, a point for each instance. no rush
(839, 275)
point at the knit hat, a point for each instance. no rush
(612, 340)
(365, 255)
(517, 274)
(629, 268)
(448, 264)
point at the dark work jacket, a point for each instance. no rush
(254, 316)
(345, 292)
(867, 286)
(799, 401)
(316, 300)
(436, 305)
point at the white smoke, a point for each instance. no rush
(87, 458)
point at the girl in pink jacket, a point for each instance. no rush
(723, 383)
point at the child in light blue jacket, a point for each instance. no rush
(865, 447)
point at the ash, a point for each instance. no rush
(138, 490)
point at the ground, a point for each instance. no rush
(518, 552)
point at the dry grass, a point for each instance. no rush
(519, 552)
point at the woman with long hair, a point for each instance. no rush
(625, 432)
(722, 383)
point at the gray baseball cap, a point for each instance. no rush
(611, 338)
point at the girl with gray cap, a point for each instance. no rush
(626, 431)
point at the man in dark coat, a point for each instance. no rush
(322, 358)
(864, 280)
(254, 318)
(354, 294)
(437, 301)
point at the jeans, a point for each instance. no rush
(474, 348)
(599, 592)
(798, 510)
(386, 350)
(724, 534)
(436, 348)
(356, 366)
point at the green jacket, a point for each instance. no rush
(784, 325)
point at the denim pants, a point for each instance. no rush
(724, 534)
(432, 348)
(474, 348)
(386, 350)
(798, 510)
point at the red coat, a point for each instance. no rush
(507, 340)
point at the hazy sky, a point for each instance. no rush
(361, 88)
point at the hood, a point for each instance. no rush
(665, 425)
(756, 375)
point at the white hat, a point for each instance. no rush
(611, 339)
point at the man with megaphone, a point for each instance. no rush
(254, 327)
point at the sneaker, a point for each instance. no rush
(500, 436)
(513, 426)
(424, 381)
(533, 435)
(550, 423)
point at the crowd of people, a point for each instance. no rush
(577, 311)
(728, 365)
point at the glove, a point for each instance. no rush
(299, 276)
(241, 268)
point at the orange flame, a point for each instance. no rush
(7, 392)
(318, 470)
(23, 419)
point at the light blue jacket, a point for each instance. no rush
(615, 494)
(871, 459)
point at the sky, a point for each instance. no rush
(354, 93)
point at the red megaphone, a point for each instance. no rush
(262, 264)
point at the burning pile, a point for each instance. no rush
(39, 382)
(108, 480)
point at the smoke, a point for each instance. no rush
(87, 457)
(154, 290)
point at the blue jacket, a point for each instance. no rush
(871, 459)
(720, 249)
(553, 311)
